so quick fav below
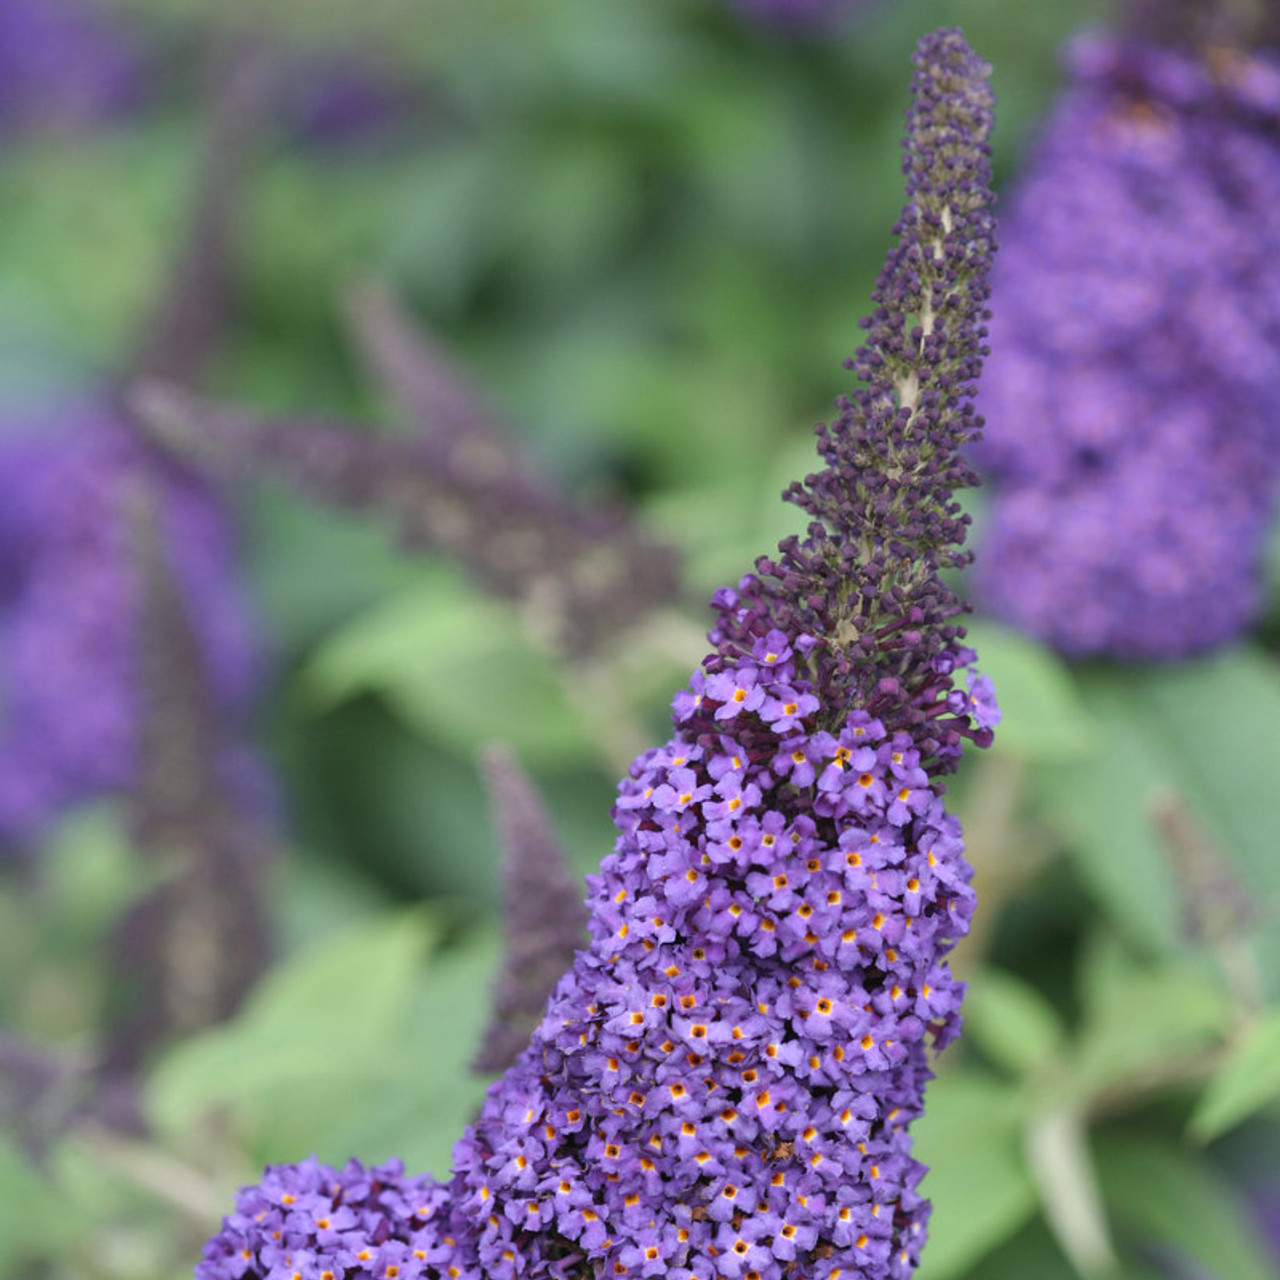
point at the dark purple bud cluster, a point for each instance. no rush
(721, 1085)
(189, 948)
(543, 919)
(861, 594)
(580, 575)
(1131, 401)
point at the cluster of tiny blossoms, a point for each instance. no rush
(310, 1222)
(721, 1085)
(723, 1082)
(1130, 402)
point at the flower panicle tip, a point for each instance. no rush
(861, 595)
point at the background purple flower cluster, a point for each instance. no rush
(63, 63)
(70, 598)
(1130, 399)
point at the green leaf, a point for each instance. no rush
(1249, 1080)
(1203, 731)
(1033, 1253)
(432, 1095)
(1099, 804)
(1137, 1019)
(1011, 1022)
(329, 1017)
(1044, 717)
(30, 1214)
(100, 210)
(1166, 1200)
(455, 666)
(970, 1137)
(1219, 718)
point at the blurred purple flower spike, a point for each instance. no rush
(69, 612)
(722, 1083)
(348, 102)
(72, 641)
(1130, 405)
(544, 922)
(64, 63)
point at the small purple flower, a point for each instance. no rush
(736, 691)
(983, 706)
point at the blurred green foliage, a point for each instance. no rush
(650, 230)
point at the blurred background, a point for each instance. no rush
(380, 383)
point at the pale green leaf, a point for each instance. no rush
(970, 1137)
(456, 666)
(1011, 1022)
(1100, 805)
(329, 1016)
(1203, 731)
(1138, 1020)
(1044, 718)
(1219, 717)
(433, 1094)
(1166, 1201)
(31, 1215)
(1249, 1080)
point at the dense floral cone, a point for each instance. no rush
(722, 1083)
(543, 919)
(1130, 405)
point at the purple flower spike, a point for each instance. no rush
(71, 602)
(722, 1083)
(544, 921)
(580, 574)
(1130, 404)
(329, 1224)
(63, 63)
(860, 598)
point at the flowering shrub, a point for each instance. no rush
(722, 1083)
